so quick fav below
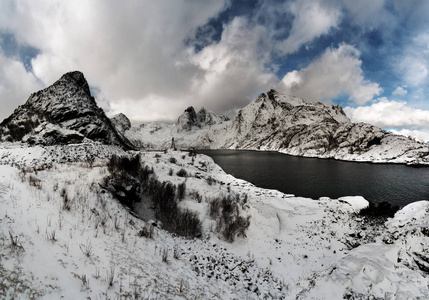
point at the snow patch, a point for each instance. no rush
(357, 202)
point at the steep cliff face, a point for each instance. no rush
(190, 119)
(64, 112)
(121, 122)
(294, 126)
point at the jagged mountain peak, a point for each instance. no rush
(79, 79)
(273, 100)
(288, 124)
(67, 104)
(191, 119)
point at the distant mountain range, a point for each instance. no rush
(283, 123)
(66, 113)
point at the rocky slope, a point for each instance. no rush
(294, 126)
(63, 113)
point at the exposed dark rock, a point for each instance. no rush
(121, 122)
(191, 119)
(67, 104)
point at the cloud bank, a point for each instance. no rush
(335, 72)
(395, 115)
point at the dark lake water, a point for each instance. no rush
(315, 178)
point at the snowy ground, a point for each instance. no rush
(88, 245)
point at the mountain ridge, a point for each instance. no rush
(287, 124)
(309, 129)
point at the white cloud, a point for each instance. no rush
(419, 135)
(233, 67)
(335, 72)
(415, 62)
(366, 13)
(399, 91)
(131, 51)
(16, 85)
(390, 114)
(311, 20)
(135, 54)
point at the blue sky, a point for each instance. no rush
(152, 59)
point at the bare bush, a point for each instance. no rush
(67, 203)
(164, 255)
(124, 163)
(146, 231)
(51, 235)
(210, 181)
(229, 223)
(116, 223)
(86, 249)
(182, 173)
(15, 244)
(194, 194)
(90, 159)
(83, 279)
(34, 181)
(176, 252)
(181, 190)
(111, 276)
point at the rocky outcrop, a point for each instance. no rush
(192, 120)
(69, 106)
(121, 122)
(294, 126)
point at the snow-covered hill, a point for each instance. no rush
(63, 235)
(297, 127)
(63, 113)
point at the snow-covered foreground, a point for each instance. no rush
(62, 235)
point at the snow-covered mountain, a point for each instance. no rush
(294, 126)
(63, 113)
(157, 135)
(287, 124)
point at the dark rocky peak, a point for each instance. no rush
(192, 115)
(202, 115)
(191, 119)
(187, 120)
(206, 117)
(67, 104)
(79, 80)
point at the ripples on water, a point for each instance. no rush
(315, 178)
